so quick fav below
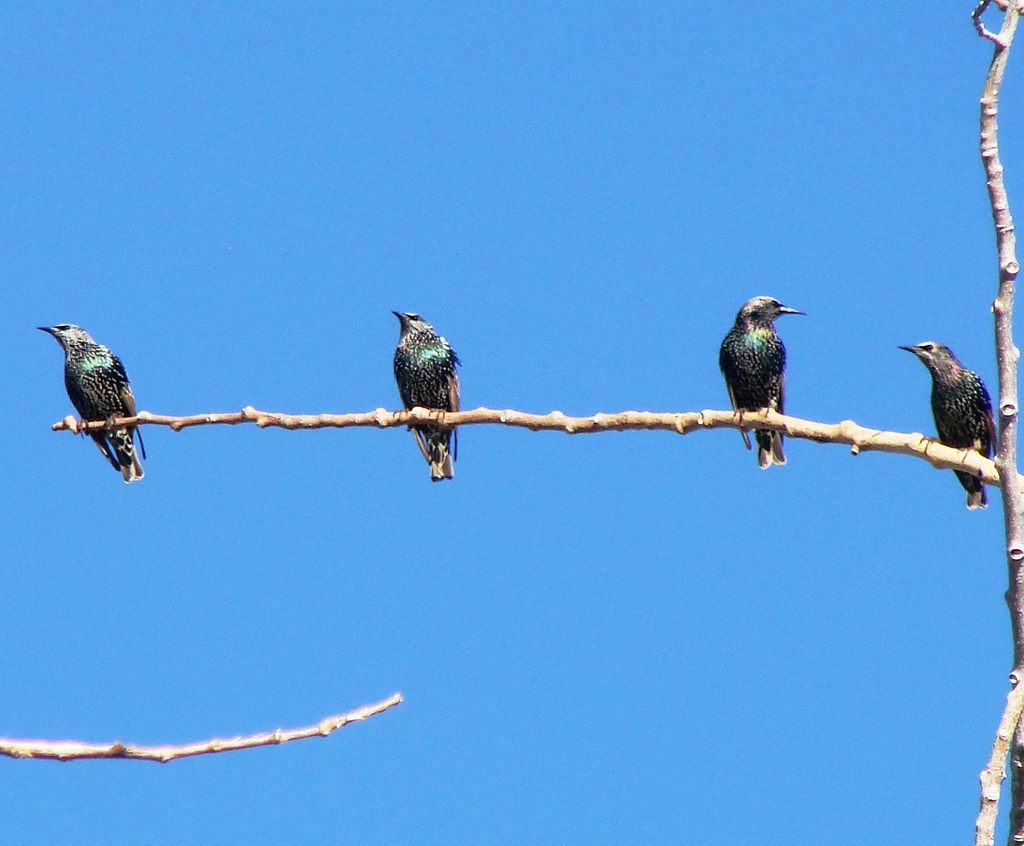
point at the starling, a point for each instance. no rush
(99, 389)
(425, 372)
(753, 361)
(962, 410)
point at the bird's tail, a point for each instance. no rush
(124, 449)
(435, 444)
(442, 469)
(439, 454)
(769, 449)
(976, 496)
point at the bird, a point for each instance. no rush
(424, 366)
(962, 410)
(753, 360)
(98, 387)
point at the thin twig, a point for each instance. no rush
(70, 750)
(979, 27)
(1006, 451)
(858, 438)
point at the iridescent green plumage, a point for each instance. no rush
(424, 365)
(753, 360)
(962, 410)
(98, 387)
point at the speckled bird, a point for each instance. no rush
(753, 361)
(425, 372)
(98, 388)
(962, 410)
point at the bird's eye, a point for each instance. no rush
(62, 327)
(928, 347)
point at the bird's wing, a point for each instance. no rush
(100, 439)
(127, 400)
(732, 402)
(118, 367)
(732, 396)
(990, 425)
(453, 391)
(421, 442)
(782, 394)
(453, 405)
(984, 405)
(128, 403)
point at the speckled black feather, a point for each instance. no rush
(962, 409)
(98, 387)
(753, 360)
(424, 365)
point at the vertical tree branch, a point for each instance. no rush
(1006, 452)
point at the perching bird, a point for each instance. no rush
(98, 388)
(425, 372)
(962, 410)
(753, 361)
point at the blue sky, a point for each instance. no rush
(627, 637)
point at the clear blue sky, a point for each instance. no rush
(620, 638)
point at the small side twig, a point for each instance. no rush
(979, 27)
(71, 750)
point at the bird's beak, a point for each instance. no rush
(909, 349)
(47, 329)
(788, 310)
(399, 315)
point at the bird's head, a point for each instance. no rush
(409, 321)
(67, 334)
(933, 355)
(763, 310)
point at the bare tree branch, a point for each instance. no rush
(1006, 452)
(70, 750)
(858, 438)
(995, 771)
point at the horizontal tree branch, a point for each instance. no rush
(858, 438)
(70, 750)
